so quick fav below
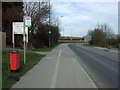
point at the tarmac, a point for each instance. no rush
(59, 69)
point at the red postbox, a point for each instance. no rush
(14, 60)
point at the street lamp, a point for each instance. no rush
(49, 38)
(49, 32)
(63, 29)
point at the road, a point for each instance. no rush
(102, 66)
(59, 69)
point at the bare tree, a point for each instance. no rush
(39, 13)
(102, 35)
(42, 21)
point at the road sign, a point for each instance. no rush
(22, 28)
(27, 20)
(18, 28)
(27, 23)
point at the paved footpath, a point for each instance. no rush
(59, 69)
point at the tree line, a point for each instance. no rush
(11, 12)
(43, 22)
(103, 36)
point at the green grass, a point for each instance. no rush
(32, 59)
(43, 49)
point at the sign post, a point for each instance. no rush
(27, 23)
(22, 28)
(13, 38)
(24, 44)
(17, 29)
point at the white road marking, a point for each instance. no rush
(89, 78)
(87, 75)
(56, 71)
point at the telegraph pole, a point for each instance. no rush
(39, 5)
(49, 25)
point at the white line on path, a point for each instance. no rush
(56, 71)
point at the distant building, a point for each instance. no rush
(70, 40)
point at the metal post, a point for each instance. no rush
(24, 54)
(13, 41)
(39, 5)
(24, 44)
(49, 24)
(49, 39)
(13, 46)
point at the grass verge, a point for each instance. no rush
(31, 58)
(109, 47)
(44, 49)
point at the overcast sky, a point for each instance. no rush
(79, 17)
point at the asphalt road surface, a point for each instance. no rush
(102, 66)
(59, 69)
